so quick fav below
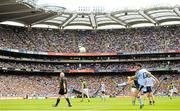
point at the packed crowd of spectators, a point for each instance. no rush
(95, 66)
(46, 85)
(140, 39)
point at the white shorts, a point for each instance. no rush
(173, 90)
(85, 91)
(133, 90)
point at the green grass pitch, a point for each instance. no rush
(96, 104)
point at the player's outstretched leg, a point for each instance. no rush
(122, 84)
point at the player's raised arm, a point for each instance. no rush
(151, 75)
(132, 77)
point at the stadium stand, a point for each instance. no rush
(140, 39)
(46, 85)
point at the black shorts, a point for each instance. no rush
(136, 84)
(62, 92)
(139, 87)
(149, 89)
(103, 92)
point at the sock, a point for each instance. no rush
(140, 101)
(103, 97)
(150, 102)
(57, 102)
(122, 84)
(67, 99)
(133, 102)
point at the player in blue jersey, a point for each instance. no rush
(102, 90)
(141, 75)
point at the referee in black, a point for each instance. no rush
(62, 90)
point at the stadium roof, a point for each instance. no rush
(66, 14)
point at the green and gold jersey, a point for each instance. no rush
(170, 87)
(84, 85)
(133, 85)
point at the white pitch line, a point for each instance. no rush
(91, 110)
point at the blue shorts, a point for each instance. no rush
(138, 86)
